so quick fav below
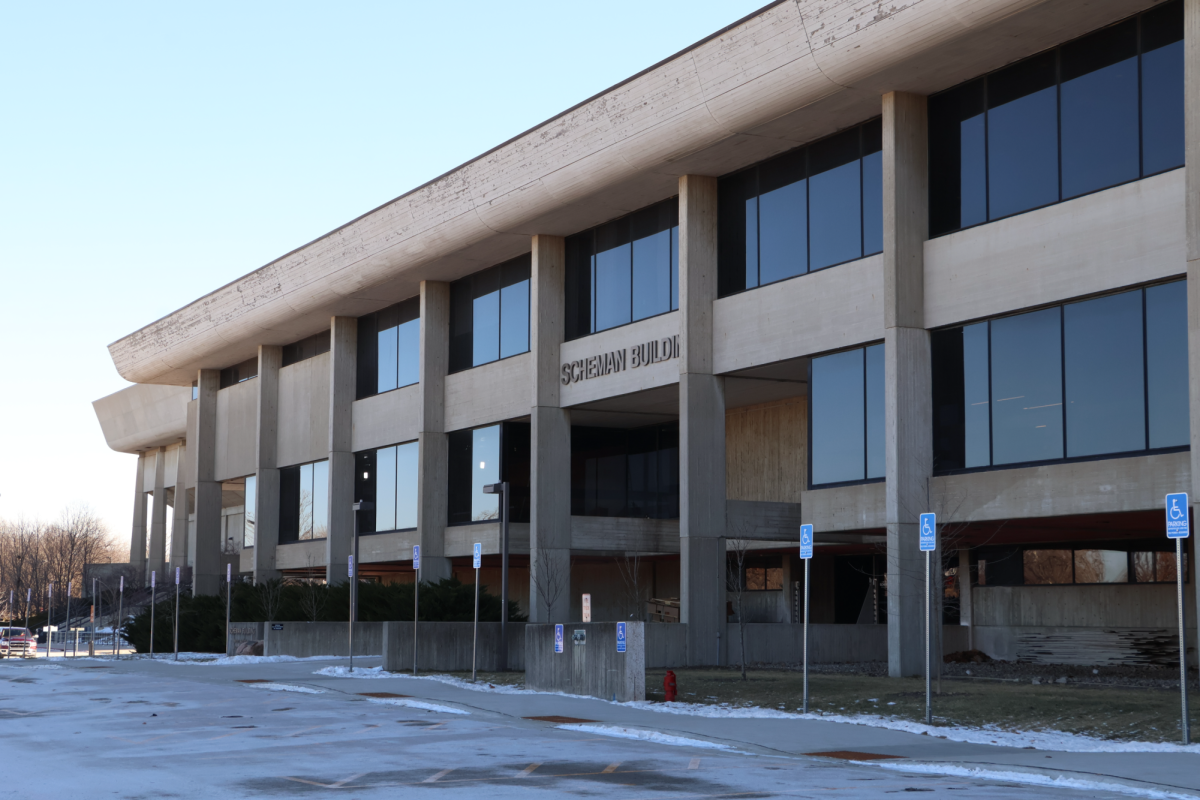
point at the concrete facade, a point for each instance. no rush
(735, 380)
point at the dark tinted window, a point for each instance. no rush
(387, 477)
(1100, 111)
(623, 271)
(847, 401)
(389, 348)
(483, 456)
(304, 502)
(231, 376)
(489, 314)
(306, 348)
(1097, 377)
(625, 473)
(807, 209)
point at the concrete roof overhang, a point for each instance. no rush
(788, 74)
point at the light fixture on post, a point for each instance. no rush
(361, 505)
(502, 490)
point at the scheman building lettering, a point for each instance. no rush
(640, 355)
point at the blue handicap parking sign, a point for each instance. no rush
(928, 532)
(806, 541)
(350, 566)
(558, 638)
(1177, 515)
(416, 556)
(478, 557)
(620, 637)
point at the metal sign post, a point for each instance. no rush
(99, 610)
(120, 619)
(1178, 528)
(476, 561)
(70, 587)
(350, 577)
(177, 613)
(806, 552)
(502, 489)
(928, 541)
(28, 598)
(228, 600)
(416, 599)
(49, 614)
(153, 599)
(11, 596)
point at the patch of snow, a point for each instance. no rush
(644, 736)
(449, 680)
(1060, 781)
(32, 666)
(408, 702)
(361, 673)
(285, 687)
(209, 659)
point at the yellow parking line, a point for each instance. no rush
(611, 768)
(695, 764)
(434, 778)
(529, 770)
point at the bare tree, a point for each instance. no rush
(550, 577)
(313, 594)
(270, 595)
(735, 564)
(629, 566)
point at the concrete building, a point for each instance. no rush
(837, 263)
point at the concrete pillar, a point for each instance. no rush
(137, 539)
(908, 416)
(965, 609)
(266, 471)
(158, 513)
(179, 523)
(343, 354)
(1191, 70)
(550, 471)
(701, 428)
(206, 561)
(433, 448)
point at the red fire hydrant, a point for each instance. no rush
(669, 685)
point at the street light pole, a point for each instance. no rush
(361, 505)
(502, 490)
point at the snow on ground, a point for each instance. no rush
(450, 680)
(32, 666)
(364, 673)
(644, 736)
(1032, 778)
(285, 687)
(213, 660)
(408, 702)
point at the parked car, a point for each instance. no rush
(17, 642)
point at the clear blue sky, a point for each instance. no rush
(150, 153)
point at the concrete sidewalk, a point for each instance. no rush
(1169, 772)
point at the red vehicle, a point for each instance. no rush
(17, 642)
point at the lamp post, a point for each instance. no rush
(502, 490)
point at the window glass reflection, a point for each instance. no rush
(625, 473)
(489, 315)
(1167, 364)
(408, 353)
(1026, 357)
(838, 406)
(976, 405)
(387, 359)
(875, 409)
(407, 464)
(1106, 410)
(1101, 566)
(485, 469)
(248, 533)
(782, 233)
(385, 489)
(1023, 154)
(835, 217)
(1100, 129)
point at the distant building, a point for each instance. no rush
(838, 264)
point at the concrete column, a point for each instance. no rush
(701, 428)
(433, 471)
(965, 609)
(266, 498)
(908, 416)
(1191, 70)
(550, 471)
(207, 556)
(158, 513)
(179, 522)
(137, 539)
(343, 355)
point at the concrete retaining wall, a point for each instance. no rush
(446, 646)
(304, 639)
(588, 666)
(666, 645)
(1083, 646)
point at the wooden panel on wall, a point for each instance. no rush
(766, 451)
